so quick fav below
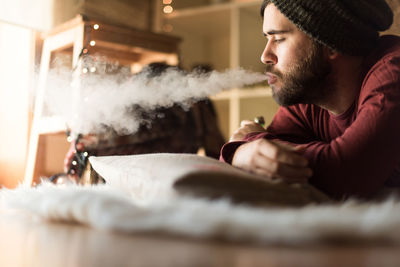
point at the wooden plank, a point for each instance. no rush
(70, 37)
(127, 13)
(34, 135)
(135, 38)
(244, 93)
(121, 56)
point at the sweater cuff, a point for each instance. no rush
(228, 150)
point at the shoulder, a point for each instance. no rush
(384, 62)
(382, 69)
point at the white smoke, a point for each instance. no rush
(105, 98)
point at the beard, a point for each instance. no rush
(305, 82)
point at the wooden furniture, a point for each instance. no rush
(27, 242)
(79, 37)
(225, 34)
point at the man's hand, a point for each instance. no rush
(246, 126)
(273, 160)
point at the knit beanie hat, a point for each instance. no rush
(347, 26)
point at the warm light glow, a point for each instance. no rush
(167, 2)
(93, 69)
(85, 51)
(16, 86)
(168, 9)
(96, 26)
(84, 70)
(172, 60)
(168, 28)
(92, 43)
(136, 67)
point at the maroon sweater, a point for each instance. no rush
(355, 153)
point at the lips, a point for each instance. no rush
(271, 78)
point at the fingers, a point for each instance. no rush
(280, 170)
(271, 177)
(246, 127)
(237, 136)
(244, 123)
(281, 153)
(251, 126)
(298, 148)
(272, 160)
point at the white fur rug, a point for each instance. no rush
(111, 209)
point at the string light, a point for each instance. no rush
(168, 9)
(92, 43)
(84, 70)
(96, 26)
(93, 69)
(167, 2)
(85, 51)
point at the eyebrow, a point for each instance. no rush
(272, 32)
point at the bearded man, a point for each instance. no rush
(338, 84)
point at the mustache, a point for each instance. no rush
(270, 69)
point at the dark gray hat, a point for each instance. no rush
(348, 26)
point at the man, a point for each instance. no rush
(338, 84)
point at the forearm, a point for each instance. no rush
(344, 168)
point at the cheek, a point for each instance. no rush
(284, 63)
(288, 57)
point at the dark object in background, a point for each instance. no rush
(79, 161)
(167, 130)
(76, 166)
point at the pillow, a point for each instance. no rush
(160, 176)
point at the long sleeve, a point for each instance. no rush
(288, 125)
(359, 161)
(366, 154)
(353, 154)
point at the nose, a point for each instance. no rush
(268, 57)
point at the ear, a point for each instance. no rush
(330, 53)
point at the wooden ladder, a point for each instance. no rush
(126, 45)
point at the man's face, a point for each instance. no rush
(296, 66)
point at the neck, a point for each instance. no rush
(345, 83)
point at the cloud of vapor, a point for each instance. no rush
(104, 97)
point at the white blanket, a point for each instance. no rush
(111, 209)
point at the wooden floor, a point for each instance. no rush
(27, 242)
